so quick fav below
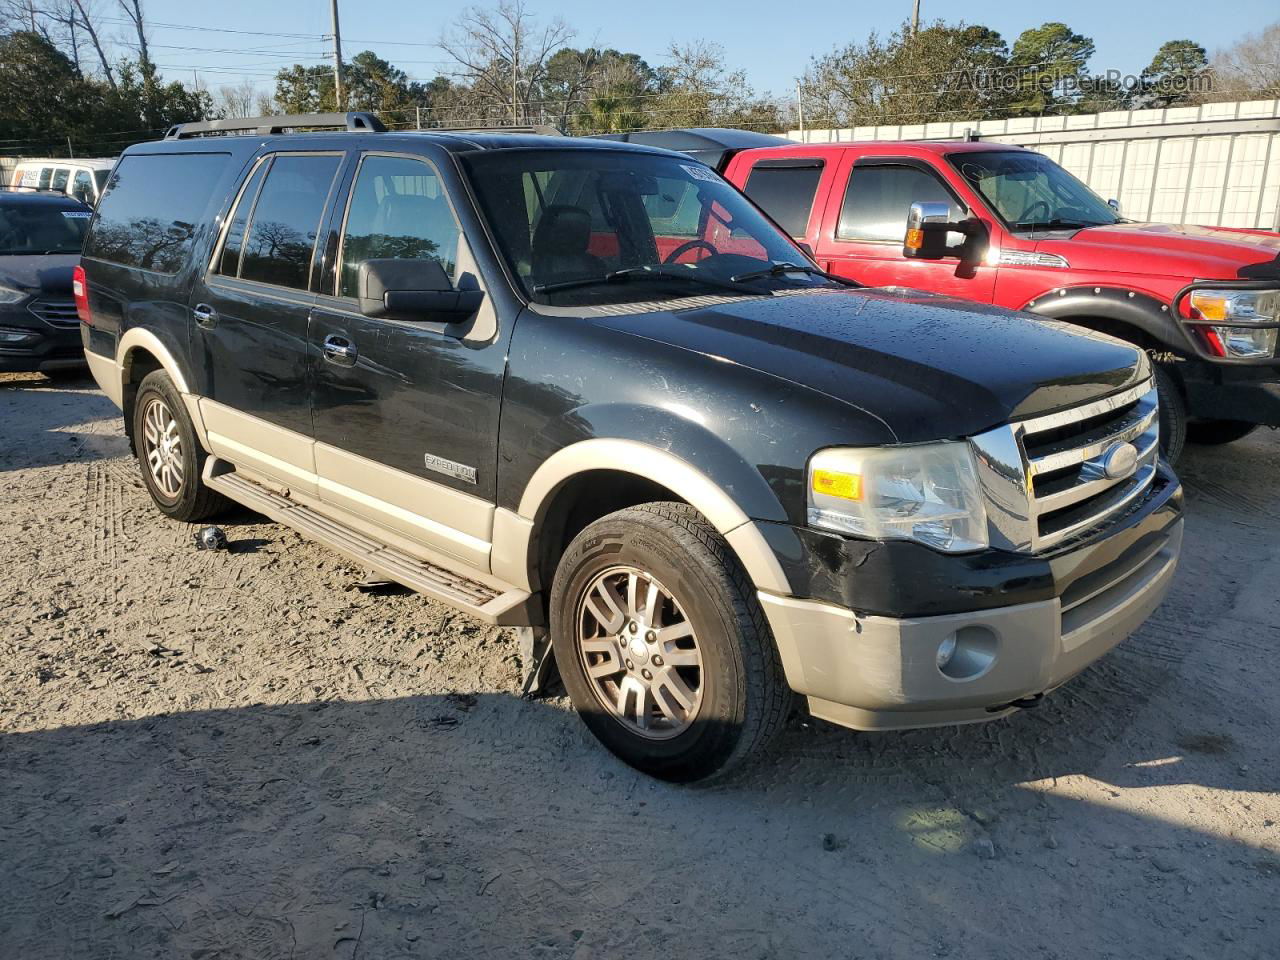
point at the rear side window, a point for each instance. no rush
(286, 219)
(151, 208)
(60, 178)
(229, 259)
(82, 187)
(878, 199)
(786, 192)
(46, 174)
(398, 211)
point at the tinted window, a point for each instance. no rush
(286, 218)
(1029, 190)
(60, 178)
(82, 187)
(878, 200)
(46, 174)
(229, 259)
(151, 208)
(786, 194)
(543, 205)
(33, 228)
(398, 211)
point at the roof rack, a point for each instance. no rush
(266, 126)
(541, 129)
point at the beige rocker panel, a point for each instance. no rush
(513, 533)
(245, 441)
(409, 505)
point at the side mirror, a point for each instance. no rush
(928, 224)
(413, 290)
(805, 249)
(1114, 204)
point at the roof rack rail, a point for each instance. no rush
(542, 129)
(267, 126)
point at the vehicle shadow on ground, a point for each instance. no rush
(48, 422)
(473, 822)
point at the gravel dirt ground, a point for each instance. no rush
(236, 754)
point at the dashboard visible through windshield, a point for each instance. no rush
(594, 227)
(1031, 192)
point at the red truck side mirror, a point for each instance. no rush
(928, 224)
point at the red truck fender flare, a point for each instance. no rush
(1137, 317)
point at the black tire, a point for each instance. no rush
(1214, 433)
(1173, 414)
(744, 697)
(191, 500)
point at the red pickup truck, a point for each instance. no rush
(1008, 226)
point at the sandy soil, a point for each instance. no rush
(237, 754)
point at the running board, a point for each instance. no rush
(504, 607)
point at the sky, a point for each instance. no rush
(772, 49)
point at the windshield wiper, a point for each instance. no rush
(778, 269)
(642, 273)
(1062, 224)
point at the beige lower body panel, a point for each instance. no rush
(881, 673)
(283, 455)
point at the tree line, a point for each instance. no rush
(79, 75)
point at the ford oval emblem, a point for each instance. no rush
(1120, 460)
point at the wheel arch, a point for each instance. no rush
(141, 352)
(592, 478)
(1129, 315)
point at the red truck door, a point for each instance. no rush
(865, 220)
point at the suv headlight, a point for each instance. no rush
(1241, 323)
(928, 493)
(11, 294)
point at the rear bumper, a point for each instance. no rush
(882, 673)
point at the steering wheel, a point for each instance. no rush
(685, 247)
(1026, 214)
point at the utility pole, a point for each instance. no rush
(915, 17)
(337, 56)
(800, 108)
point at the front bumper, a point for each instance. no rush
(1218, 392)
(876, 672)
(45, 346)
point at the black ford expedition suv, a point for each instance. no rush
(587, 389)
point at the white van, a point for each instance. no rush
(82, 178)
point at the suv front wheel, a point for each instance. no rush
(662, 645)
(169, 454)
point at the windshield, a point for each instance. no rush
(1029, 191)
(31, 228)
(591, 227)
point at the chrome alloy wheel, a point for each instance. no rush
(162, 447)
(640, 653)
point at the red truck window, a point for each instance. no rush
(878, 198)
(785, 190)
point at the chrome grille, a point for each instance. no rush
(57, 313)
(1046, 478)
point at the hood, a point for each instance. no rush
(42, 273)
(930, 367)
(1171, 250)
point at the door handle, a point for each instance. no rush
(339, 350)
(205, 315)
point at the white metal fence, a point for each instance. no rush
(1217, 164)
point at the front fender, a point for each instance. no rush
(1126, 307)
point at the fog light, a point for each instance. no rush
(11, 336)
(946, 650)
(967, 653)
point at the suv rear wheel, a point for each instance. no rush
(169, 454)
(1216, 432)
(662, 645)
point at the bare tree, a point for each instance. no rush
(133, 10)
(1249, 69)
(503, 55)
(85, 10)
(236, 101)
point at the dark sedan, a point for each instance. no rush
(40, 239)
